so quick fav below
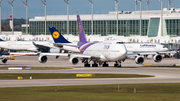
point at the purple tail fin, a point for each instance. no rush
(82, 37)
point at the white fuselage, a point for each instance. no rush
(70, 48)
(109, 51)
(131, 47)
(21, 45)
(144, 47)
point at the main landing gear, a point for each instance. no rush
(86, 63)
(105, 64)
(95, 64)
(118, 64)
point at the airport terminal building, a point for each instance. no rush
(105, 24)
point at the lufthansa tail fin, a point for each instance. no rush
(57, 37)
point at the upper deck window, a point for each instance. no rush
(120, 43)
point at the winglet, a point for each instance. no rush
(57, 37)
(82, 37)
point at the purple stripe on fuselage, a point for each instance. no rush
(85, 47)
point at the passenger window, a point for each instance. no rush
(119, 43)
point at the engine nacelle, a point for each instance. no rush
(74, 60)
(157, 58)
(139, 60)
(4, 60)
(42, 58)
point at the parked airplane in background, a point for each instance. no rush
(28, 46)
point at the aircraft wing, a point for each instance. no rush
(61, 54)
(73, 55)
(64, 44)
(17, 53)
(148, 53)
(43, 46)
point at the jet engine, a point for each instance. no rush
(139, 60)
(4, 60)
(42, 59)
(157, 58)
(74, 60)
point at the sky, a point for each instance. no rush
(59, 7)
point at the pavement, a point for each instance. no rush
(162, 75)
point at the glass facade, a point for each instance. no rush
(101, 27)
(108, 27)
(173, 27)
(24, 30)
(153, 27)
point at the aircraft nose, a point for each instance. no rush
(124, 52)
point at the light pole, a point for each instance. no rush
(67, 2)
(91, 1)
(44, 2)
(140, 16)
(136, 5)
(0, 16)
(161, 17)
(11, 3)
(116, 1)
(169, 3)
(147, 5)
(26, 4)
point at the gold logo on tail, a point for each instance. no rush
(56, 35)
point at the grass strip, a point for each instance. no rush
(10, 76)
(144, 92)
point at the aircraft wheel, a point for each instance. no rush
(119, 66)
(115, 65)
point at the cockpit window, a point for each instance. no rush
(119, 43)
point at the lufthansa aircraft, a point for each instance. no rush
(98, 52)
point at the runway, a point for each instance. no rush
(162, 75)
